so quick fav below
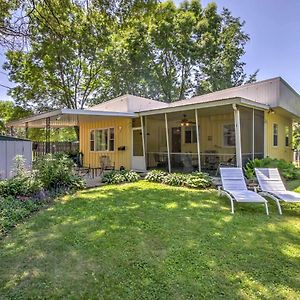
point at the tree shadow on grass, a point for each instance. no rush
(152, 241)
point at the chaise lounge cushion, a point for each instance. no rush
(287, 196)
(247, 196)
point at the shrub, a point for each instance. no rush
(198, 180)
(57, 171)
(156, 176)
(115, 177)
(193, 180)
(174, 179)
(286, 169)
(23, 183)
(13, 210)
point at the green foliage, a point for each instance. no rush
(115, 177)
(174, 179)
(13, 211)
(151, 241)
(56, 171)
(22, 184)
(193, 180)
(83, 53)
(10, 112)
(296, 136)
(156, 176)
(286, 169)
(198, 180)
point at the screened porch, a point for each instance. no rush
(203, 139)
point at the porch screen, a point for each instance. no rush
(252, 133)
(156, 142)
(102, 139)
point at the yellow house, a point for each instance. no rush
(225, 127)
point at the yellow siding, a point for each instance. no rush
(281, 151)
(122, 127)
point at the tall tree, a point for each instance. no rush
(86, 52)
(11, 112)
(170, 53)
(64, 65)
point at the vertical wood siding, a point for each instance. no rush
(281, 151)
(122, 127)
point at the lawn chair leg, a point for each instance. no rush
(267, 209)
(279, 206)
(232, 205)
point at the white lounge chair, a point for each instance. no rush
(271, 185)
(235, 188)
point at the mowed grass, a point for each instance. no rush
(150, 241)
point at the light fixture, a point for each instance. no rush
(271, 111)
(186, 122)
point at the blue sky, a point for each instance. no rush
(274, 29)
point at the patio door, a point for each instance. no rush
(138, 158)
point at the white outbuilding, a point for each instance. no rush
(10, 147)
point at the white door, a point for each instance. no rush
(138, 159)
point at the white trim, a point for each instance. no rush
(102, 151)
(237, 136)
(198, 140)
(253, 136)
(223, 140)
(168, 145)
(141, 168)
(207, 104)
(287, 146)
(143, 141)
(273, 123)
(67, 111)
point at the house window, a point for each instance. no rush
(275, 135)
(102, 139)
(228, 135)
(287, 134)
(190, 135)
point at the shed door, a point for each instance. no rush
(138, 159)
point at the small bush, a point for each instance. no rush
(22, 184)
(193, 180)
(57, 171)
(286, 169)
(115, 177)
(13, 211)
(198, 180)
(156, 176)
(174, 179)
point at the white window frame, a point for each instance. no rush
(273, 134)
(108, 139)
(287, 135)
(223, 139)
(193, 134)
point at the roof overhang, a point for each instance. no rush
(67, 118)
(208, 104)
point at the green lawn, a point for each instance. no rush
(149, 241)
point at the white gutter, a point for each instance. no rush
(208, 104)
(67, 111)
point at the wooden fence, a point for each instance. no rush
(39, 148)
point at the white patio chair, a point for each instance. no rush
(271, 185)
(234, 187)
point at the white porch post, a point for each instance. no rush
(253, 135)
(143, 141)
(198, 140)
(238, 145)
(168, 145)
(266, 152)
